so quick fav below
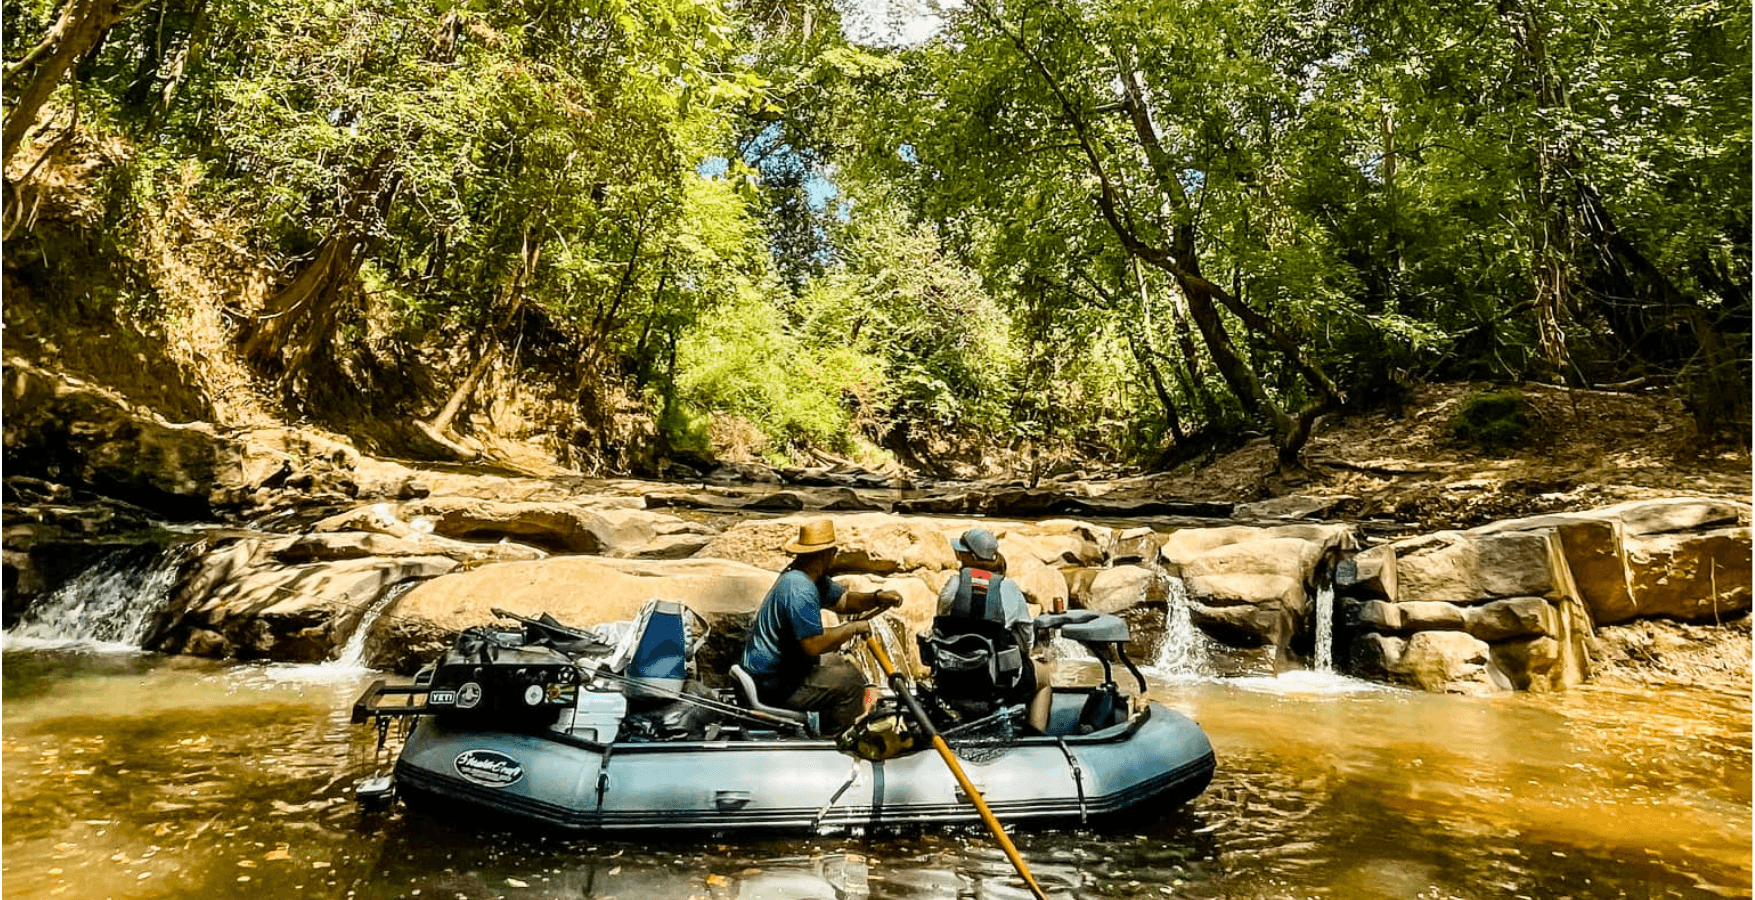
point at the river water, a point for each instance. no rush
(132, 775)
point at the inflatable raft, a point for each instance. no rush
(538, 734)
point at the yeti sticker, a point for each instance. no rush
(489, 767)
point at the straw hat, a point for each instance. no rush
(813, 536)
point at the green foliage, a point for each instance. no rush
(906, 242)
(747, 362)
(1498, 420)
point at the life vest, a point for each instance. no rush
(971, 652)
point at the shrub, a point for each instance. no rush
(1493, 421)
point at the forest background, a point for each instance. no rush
(632, 235)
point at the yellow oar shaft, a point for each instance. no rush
(944, 752)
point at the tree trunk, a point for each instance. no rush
(513, 299)
(35, 76)
(1552, 237)
(179, 65)
(302, 316)
(1179, 258)
(1190, 370)
(1147, 356)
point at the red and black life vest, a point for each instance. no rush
(970, 650)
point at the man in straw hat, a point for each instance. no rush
(788, 646)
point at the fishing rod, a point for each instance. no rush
(718, 706)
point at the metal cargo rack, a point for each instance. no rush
(377, 701)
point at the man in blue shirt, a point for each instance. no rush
(788, 646)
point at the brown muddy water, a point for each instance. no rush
(131, 775)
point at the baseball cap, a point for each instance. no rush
(979, 543)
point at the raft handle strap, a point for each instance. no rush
(603, 776)
(1078, 774)
(852, 776)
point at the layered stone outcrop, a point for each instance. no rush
(1531, 591)
(243, 602)
(580, 591)
(557, 526)
(67, 430)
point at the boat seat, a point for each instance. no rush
(805, 722)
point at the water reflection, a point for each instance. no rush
(136, 776)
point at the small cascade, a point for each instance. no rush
(893, 634)
(1066, 648)
(1325, 628)
(1183, 652)
(353, 653)
(114, 601)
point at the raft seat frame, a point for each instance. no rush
(807, 723)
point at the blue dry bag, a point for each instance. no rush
(660, 657)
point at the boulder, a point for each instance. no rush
(1380, 616)
(1245, 625)
(1451, 662)
(1693, 576)
(919, 598)
(743, 473)
(1043, 586)
(1377, 656)
(870, 543)
(1268, 569)
(251, 609)
(670, 546)
(333, 545)
(1665, 515)
(1078, 585)
(579, 591)
(1256, 571)
(1518, 617)
(1430, 615)
(585, 591)
(1125, 587)
(1669, 515)
(1597, 542)
(1185, 545)
(783, 501)
(1368, 573)
(1595, 554)
(1592, 547)
(1531, 664)
(1464, 567)
(1080, 542)
(1294, 506)
(557, 526)
(847, 499)
(60, 427)
(1055, 542)
(1136, 545)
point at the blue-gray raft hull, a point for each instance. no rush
(1159, 757)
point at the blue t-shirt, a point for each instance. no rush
(792, 611)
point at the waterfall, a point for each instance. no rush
(1325, 628)
(353, 653)
(893, 634)
(114, 601)
(1183, 652)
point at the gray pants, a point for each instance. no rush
(835, 689)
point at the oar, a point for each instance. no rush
(944, 752)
